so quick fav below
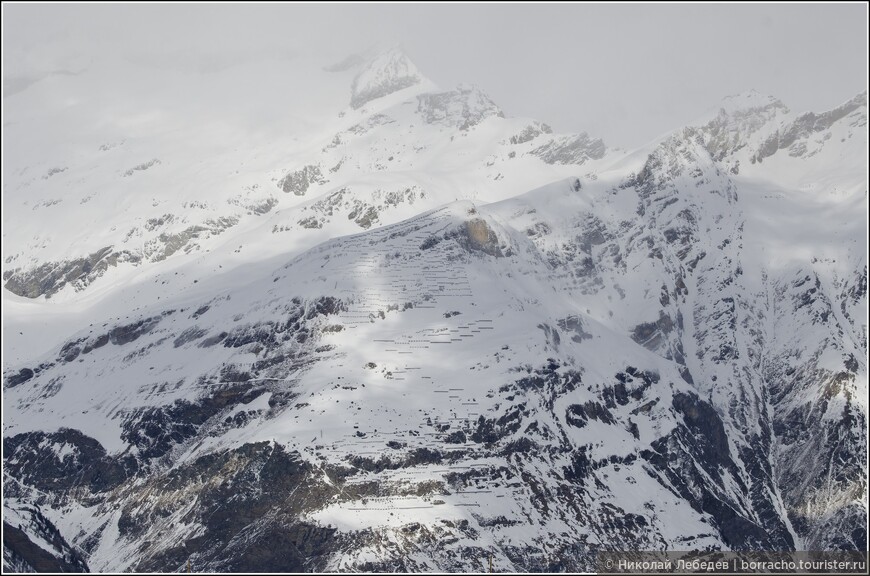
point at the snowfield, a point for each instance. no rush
(295, 315)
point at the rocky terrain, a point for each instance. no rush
(397, 329)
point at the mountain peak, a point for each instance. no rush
(464, 107)
(750, 100)
(739, 121)
(386, 72)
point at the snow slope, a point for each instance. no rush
(391, 328)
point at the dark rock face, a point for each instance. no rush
(119, 335)
(189, 335)
(571, 150)
(364, 215)
(249, 522)
(51, 277)
(706, 427)
(462, 108)
(21, 554)
(23, 376)
(299, 181)
(33, 458)
(530, 132)
(699, 449)
(365, 209)
(476, 235)
(248, 502)
(430, 242)
(67, 466)
(806, 431)
(490, 430)
(728, 132)
(156, 430)
(274, 334)
(653, 335)
(806, 125)
(577, 415)
(125, 334)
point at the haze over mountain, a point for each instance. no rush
(627, 73)
(327, 314)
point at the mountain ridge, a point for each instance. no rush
(528, 348)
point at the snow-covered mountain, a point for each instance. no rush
(329, 316)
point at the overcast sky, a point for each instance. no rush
(627, 73)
